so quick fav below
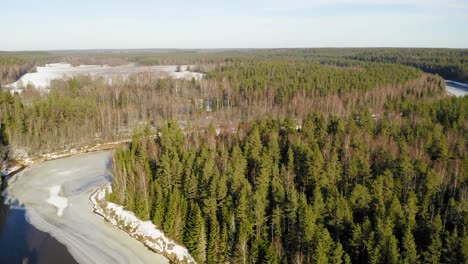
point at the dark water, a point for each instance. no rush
(20, 242)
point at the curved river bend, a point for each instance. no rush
(456, 88)
(54, 196)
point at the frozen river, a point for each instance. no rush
(54, 196)
(21, 242)
(456, 88)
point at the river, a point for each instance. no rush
(21, 242)
(53, 198)
(455, 88)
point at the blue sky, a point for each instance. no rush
(86, 24)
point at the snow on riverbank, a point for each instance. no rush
(145, 231)
(10, 169)
(60, 202)
(24, 159)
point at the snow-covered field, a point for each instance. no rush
(56, 197)
(44, 75)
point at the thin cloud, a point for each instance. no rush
(304, 4)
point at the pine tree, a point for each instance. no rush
(335, 125)
(190, 181)
(212, 249)
(315, 165)
(172, 214)
(333, 170)
(452, 251)
(194, 234)
(242, 211)
(337, 254)
(223, 245)
(433, 253)
(320, 128)
(386, 250)
(360, 199)
(410, 253)
(158, 205)
(365, 119)
(268, 254)
(290, 211)
(356, 242)
(253, 148)
(438, 149)
(323, 248)
(405, 169)
(306, 226)
(236, 169)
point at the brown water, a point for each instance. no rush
(20, 242)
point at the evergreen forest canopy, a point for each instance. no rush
(340, 190)
(323, 155)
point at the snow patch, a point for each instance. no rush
(9, 170)
(58, 201)
(145, 231)
(44, 75)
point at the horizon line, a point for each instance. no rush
(234, 49)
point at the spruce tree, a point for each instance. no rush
(194, 233)
(410, 253)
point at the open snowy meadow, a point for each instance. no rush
(44, 75)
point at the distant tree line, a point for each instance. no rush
(14, 64)
(452, 64)
(448, 63)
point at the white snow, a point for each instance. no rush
(58, 201)
(9, 170)
(146, 231)
(44, 75)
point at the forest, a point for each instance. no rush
(332, 190)
(85, 110)
(275, 156)
(450, 64)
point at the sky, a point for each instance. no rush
(133, 24)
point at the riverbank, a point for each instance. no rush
(144, 231)
(15, 166)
